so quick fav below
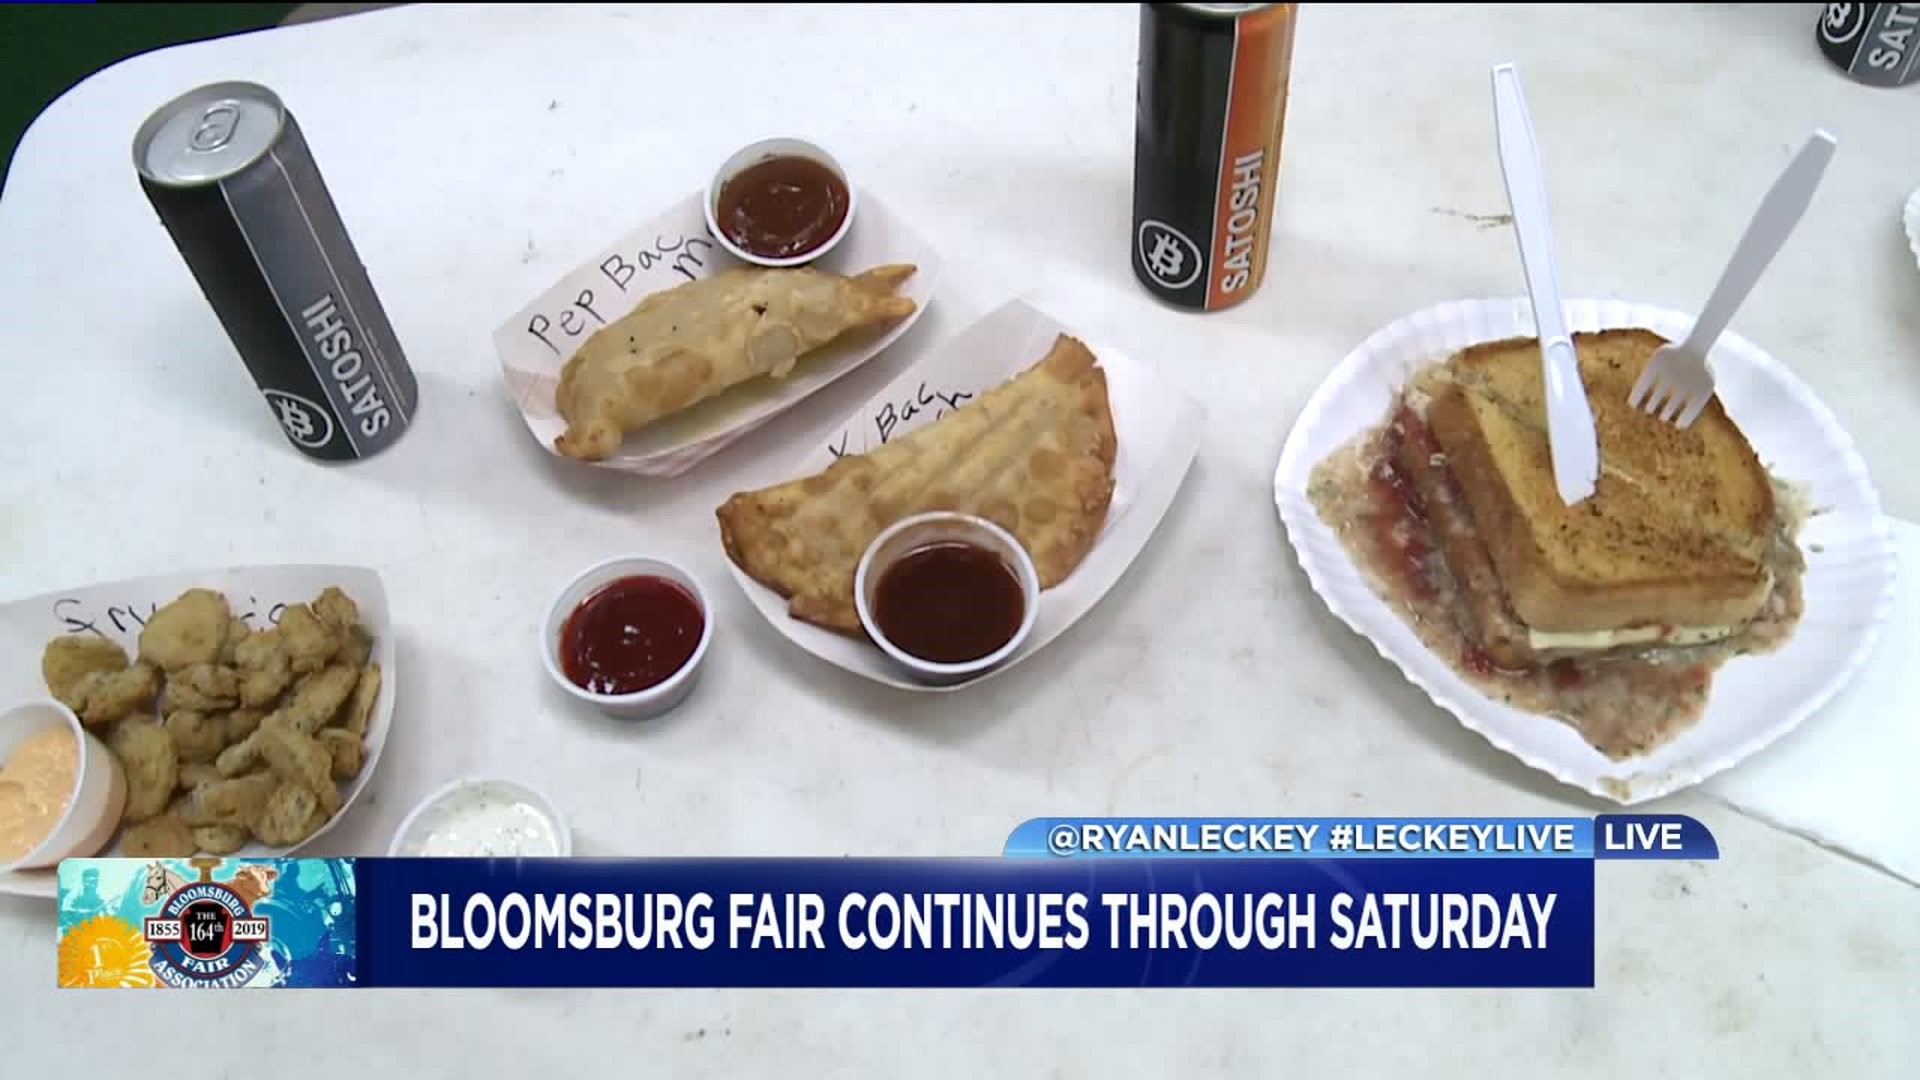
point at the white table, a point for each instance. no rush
(477, 153)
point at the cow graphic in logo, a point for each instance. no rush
(207, 934)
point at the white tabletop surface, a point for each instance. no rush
(477, 153)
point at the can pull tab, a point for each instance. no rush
(216, 128)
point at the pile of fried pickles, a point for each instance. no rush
(226, 733)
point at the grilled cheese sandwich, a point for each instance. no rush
(1671, 549)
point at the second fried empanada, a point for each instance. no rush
(688, 343)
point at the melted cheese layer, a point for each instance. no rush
(1601, 640)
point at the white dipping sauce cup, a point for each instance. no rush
(917, 531)
(99, 786)
(656, 700)
(422, 817)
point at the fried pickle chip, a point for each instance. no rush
(242, 723)
(298, 759)
(197, 737)
(240, 758)
(318, 697)
(348, 752)
(71, 657)
(232, 802)
(190, 630)
(238, 629)
(220, 839)
(357, 649)
(291, 814)
(337, 609)
(264, 668)
(309, 642)
(195, 773)
(106, 697)
(161, 837)
(360, 712)
(147, 755)
(201, 688)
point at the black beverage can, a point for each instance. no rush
(1877, 44)
(233, 181)
(1210, 110)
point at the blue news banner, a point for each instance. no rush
(1242, 902)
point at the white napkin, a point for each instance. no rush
(1846, 778)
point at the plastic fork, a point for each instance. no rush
(1677, 384)
(1571, 440)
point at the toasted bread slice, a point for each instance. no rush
(1622, 558)
(1709, 471)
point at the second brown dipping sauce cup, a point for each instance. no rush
(947, 597)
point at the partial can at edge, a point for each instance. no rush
(1210, 115)
(1876, 44)
(230, 174)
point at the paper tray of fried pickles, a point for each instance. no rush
(662, 349)
(247, 707)
(1722, 583)
(1070, 445)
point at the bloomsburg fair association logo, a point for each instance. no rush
(205, 934)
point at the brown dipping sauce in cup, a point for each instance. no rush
(949, 602)
(631, 635)
(782, 206)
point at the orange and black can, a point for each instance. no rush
(1211, 109)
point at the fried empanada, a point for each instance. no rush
(1035, 455)
(190, 630)
(686, 344)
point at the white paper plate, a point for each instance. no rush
(671, 250)
(115, 608)
(1158, 429)
(1911, 216)
(1755, 699)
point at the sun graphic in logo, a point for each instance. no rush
(105, 951)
